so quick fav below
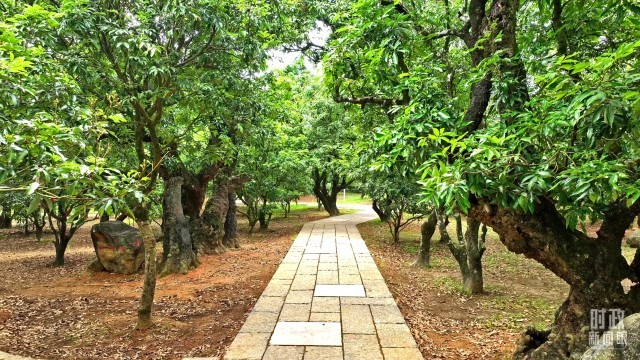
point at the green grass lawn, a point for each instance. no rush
(353, 198)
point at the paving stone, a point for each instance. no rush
(299, 297)
(303, 282)
(347, 263)
(327, 277)
(295, 312)
(308, 256)
(247, 347)
(350, 279)
(276, 289)
(387, 314)
(260, 322)
(348, 270)
(369, 274)
(269, 303)
(356, 319)
(360, 346)
(284, 352)
(284, 275)
(320, 250)
(308, 270)
(307, 333)
(327, 266)
(339, 290)
(366, 301)
(395, 335)
(290, 260)
(325, 304)
(323, 353)
(325, 258)
(402, 354)
(378, 291)
(325, 317)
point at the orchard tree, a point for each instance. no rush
(383, 57)
(48, 132)
(273, 152)
(331, 137)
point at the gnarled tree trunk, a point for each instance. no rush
(178, 254)
(427, 230)
(384, 217)
(593, 267)
(327, 189)
(213, 218)
(230, 239)
(475, 246)
(467, 250)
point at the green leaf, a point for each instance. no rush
(33, 187)
(33, 204)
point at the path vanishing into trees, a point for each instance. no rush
(327, 300)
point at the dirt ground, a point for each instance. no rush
(65, 312)
(449, 325)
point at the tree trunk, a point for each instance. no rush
(329, 202)
(26, 229)
(149, 283)
(328, 196)
(381, 214)
(178, 255)
(427, 230)
(104, 217)
(61, 248)
(39, 226)
(443, 222)
(230, 239)
(395, 233)
(593, 267)
(474, 282)
(467, 251)
(209, 240)
(5, 220)
(264, 216)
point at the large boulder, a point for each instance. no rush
(628, 329)
(633, 240)
(119, 247)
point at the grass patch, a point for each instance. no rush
(520, 312)
(353, 198)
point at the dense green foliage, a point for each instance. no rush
(524, 116)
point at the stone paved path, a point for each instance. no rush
(327, 300)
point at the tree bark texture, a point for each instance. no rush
(593, 267)
(178, 254)
(149, 283)
(230, 239)
(213, 219)
(467, 249)
(327, 189)
(427, 230)
(384, 217)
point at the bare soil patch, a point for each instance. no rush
(65, 312)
